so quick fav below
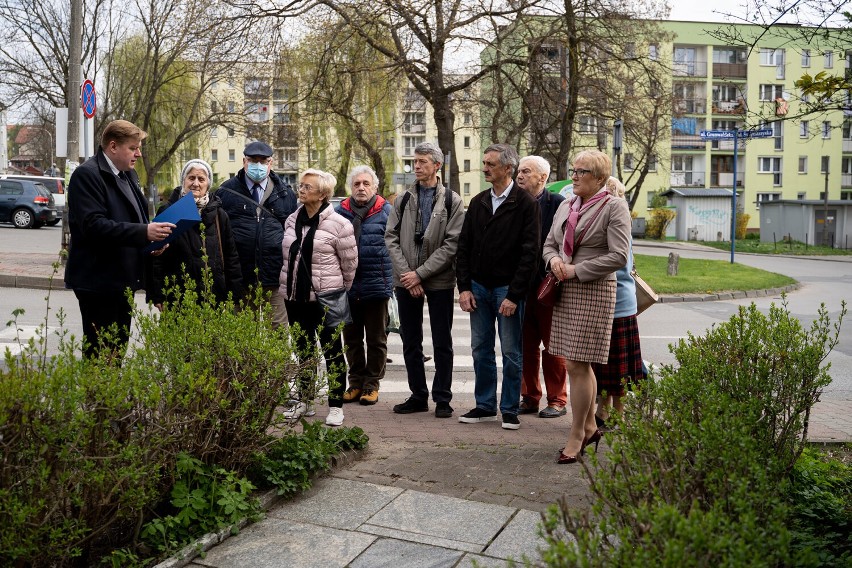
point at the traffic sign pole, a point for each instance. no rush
(734, 197)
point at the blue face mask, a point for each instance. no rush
(257, 172)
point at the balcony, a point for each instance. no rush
(727, 145)
(730, 70)
(692, 178)
(725, 179)
(687, 142)
(689, 68)
(729, 107)
(690, 106)
(845, 181)
(413, 128)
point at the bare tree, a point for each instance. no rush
(343, 75)
(571, 72)
(163, 77)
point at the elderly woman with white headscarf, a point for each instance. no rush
(189, 252)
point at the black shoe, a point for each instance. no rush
(527, 407)
(410, 406)
(426, 358)
(601, 424)
(478, 415)
(443, 410)
(511, 422)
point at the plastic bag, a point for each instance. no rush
(393, 316)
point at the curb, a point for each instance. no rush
(734, 295)
(268, 499)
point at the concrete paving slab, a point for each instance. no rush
(471, 560)
(421, 538)
(389, 553)
(337, 503)
(443, 517)
(519, 538)
(274, 543)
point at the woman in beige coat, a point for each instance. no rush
(588, 242)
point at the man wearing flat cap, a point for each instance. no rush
(258, 203)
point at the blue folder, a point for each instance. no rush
(183, 213)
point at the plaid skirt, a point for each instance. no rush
(582, 321)
(625, 358)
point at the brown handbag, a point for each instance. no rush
(645, 295)
(548, 290)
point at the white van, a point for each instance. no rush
(56, 185)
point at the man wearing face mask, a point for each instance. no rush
(258, 203)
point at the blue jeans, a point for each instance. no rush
(482, 344)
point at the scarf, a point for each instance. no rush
(359, 213)
(578, 209)
(200, 202)
(302, 248)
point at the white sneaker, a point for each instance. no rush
(298, 409)
(335, 416)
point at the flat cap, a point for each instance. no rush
(257, 148)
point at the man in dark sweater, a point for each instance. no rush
(497, 261)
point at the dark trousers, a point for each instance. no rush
(99, 311)
(309, 316)
(441, 303)
(367, 366)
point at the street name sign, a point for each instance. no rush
(729, 134)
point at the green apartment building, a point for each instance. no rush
(715, 84)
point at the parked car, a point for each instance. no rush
(26, 204)
(56, 185)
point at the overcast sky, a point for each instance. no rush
(707, 10)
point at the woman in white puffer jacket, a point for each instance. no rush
(320, 255)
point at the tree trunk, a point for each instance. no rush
(444, 120)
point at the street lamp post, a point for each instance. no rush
(825, 160)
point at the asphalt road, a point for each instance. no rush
(823, 280)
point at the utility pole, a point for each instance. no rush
(75, 74)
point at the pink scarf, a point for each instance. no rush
(577, 211)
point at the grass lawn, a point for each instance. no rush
(705, 276)
(755, 246)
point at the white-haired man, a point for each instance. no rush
(533, 172)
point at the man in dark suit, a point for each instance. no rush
(533, 172)
(258, 203)
(108, 219)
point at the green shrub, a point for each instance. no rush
(91, 447)
(693, 475)
(658, 222)
(821, 500)
(289, 463)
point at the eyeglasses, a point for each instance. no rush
(579, 172)
(306, 186)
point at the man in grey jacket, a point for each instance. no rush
(422, 238)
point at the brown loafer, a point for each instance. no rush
(527, 407)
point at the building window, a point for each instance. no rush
(801, 195)
(231, 107)
(847, 130)
(214, 132)
(806, 58)
(232, 155)
(771, 92)
(804, 129)
(630, 49)
(653, 52)
(214, 155)
(409, 143)
(846, 195)
(829, 59)
(770, 166)
(777, 128)
(467, 189)
(771, 57)
(763, 197)
(467, 141)
(628, 161)
(823, 165)
(652, 162)
(588, 125)
(468, 118)
(651, 196)
(803, 164)
(230, 132)
(467, 165)
(314, 155)
(414, 122)
(214, 107)
(826, 129)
